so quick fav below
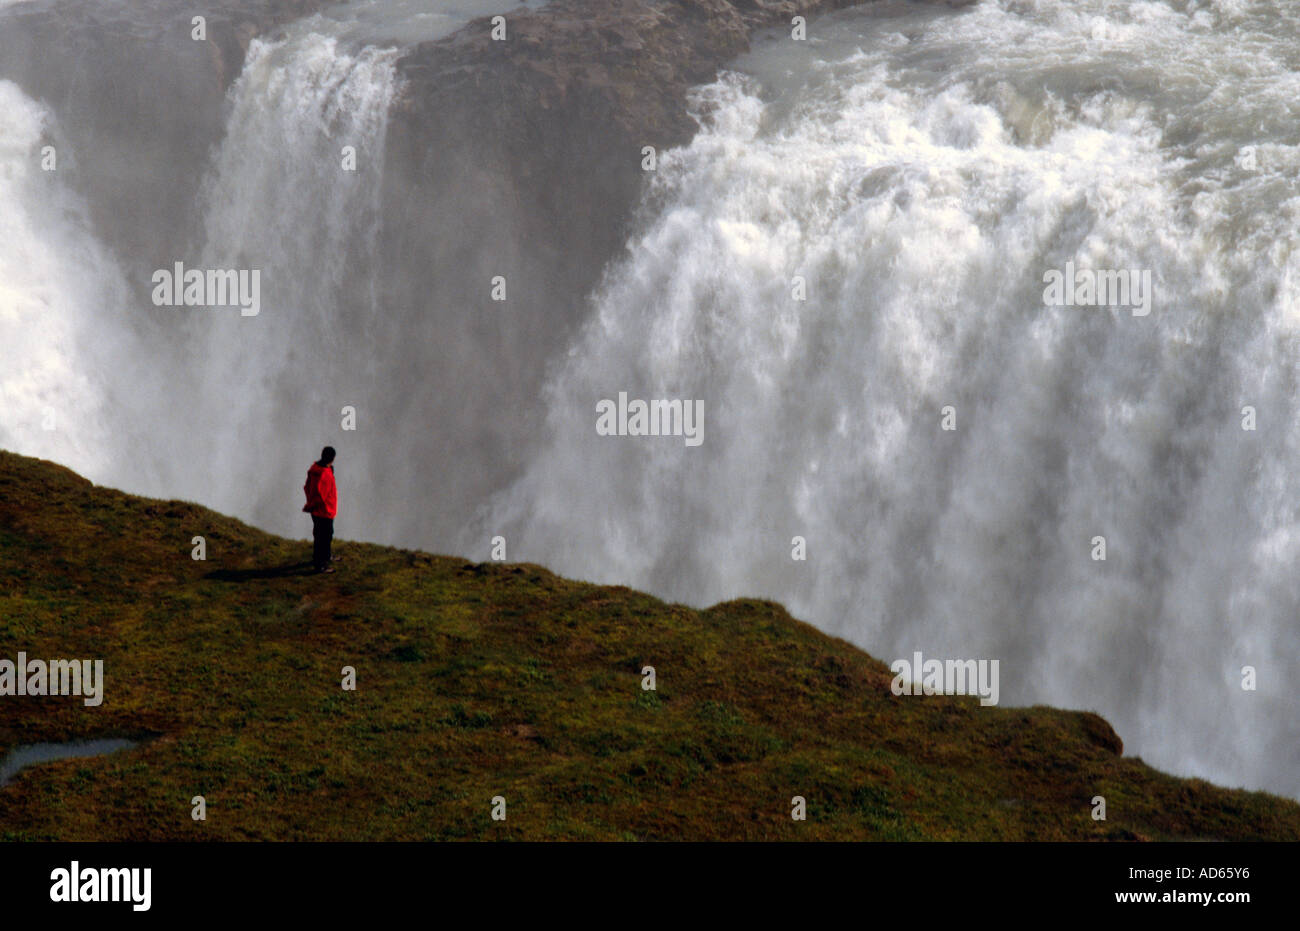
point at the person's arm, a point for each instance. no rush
(329, 492)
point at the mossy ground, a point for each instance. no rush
(479, 680)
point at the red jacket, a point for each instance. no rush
(322, 493)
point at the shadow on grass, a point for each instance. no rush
(249, 575)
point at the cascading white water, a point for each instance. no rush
(198, 402)
(922, 171)
(279, 199)
(61, 297)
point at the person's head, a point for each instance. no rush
(327, 455)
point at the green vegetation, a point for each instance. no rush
(478, 680)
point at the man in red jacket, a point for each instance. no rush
(322, 504)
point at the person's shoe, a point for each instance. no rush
(324, 569)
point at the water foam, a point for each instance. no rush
(922, 172)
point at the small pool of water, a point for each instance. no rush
(19, 758)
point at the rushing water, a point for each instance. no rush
(920, 169)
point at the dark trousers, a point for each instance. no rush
(322, 533)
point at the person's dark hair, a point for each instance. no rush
(327, 455)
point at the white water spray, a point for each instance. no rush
(922, 171)
(281, 197)
(61, 300)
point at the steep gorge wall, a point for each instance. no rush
(522, 158)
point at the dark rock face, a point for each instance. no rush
(522, 159)
(550, 123)
(559, 111)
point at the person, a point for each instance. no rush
(322, 504)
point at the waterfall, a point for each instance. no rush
(921, 173)
(61, 297)
(282, 196)
(846, 268)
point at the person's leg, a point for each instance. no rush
(319, 551)
(329, 539)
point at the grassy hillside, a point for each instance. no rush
(478, 680)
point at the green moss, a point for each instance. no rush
(476, 680)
